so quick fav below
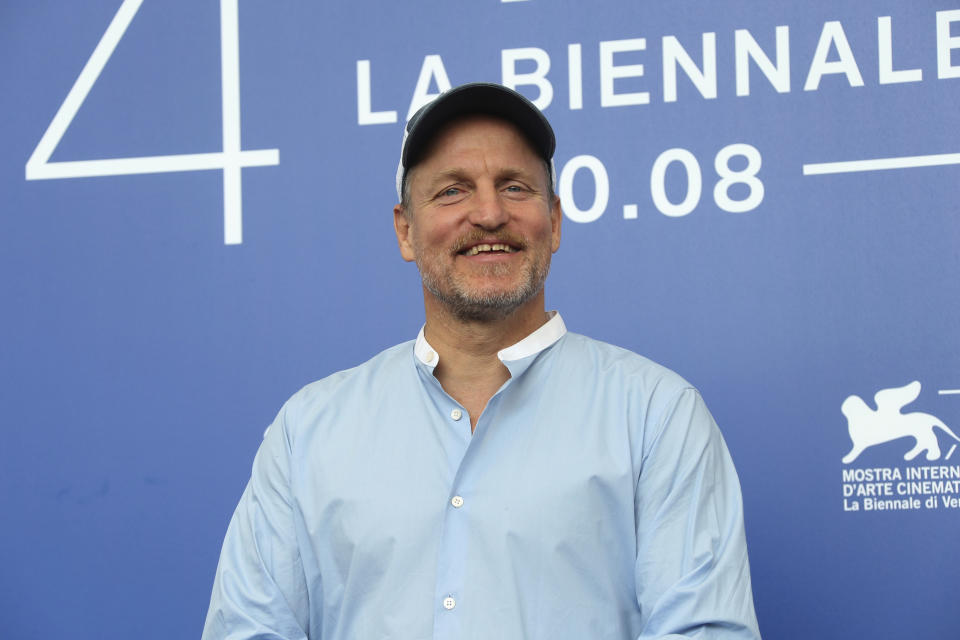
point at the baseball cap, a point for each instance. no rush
(475, 97)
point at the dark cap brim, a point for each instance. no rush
(476, 97)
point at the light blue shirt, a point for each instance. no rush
(596, 499)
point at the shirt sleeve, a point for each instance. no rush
(692, 572)
(260, 591)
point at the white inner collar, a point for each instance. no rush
(548, 333)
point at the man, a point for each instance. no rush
(499, 477)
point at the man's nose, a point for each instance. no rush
(488, 210)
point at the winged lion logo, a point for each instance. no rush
(868, 427)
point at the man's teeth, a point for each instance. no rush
(472, 251)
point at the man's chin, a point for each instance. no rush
(485, 297)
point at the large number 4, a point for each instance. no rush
(231, 159)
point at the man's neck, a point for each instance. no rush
(469, 369)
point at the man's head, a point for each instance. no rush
(478, 212)
(474, 98)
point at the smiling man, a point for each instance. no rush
(498, 477)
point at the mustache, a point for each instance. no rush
(500, 237)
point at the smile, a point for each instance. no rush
(485, 248)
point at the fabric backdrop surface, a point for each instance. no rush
(196, 222)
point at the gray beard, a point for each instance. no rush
(485, 308)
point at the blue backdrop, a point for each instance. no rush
(196, 221)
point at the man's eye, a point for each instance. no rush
(452, 191)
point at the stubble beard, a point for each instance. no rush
(479, 306)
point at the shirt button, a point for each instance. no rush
(456, 501)
(449, 603)
(431, 356)
(456, 414)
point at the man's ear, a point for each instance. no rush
(401, 225)
(556, 217)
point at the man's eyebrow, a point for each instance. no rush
(455, 173)
(514, 172)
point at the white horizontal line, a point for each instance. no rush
(152, 164)
(879, 164)
(949, 392)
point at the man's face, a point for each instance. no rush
(481, 225)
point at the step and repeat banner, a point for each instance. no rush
(196, 221)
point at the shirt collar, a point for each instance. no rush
(545, 336)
